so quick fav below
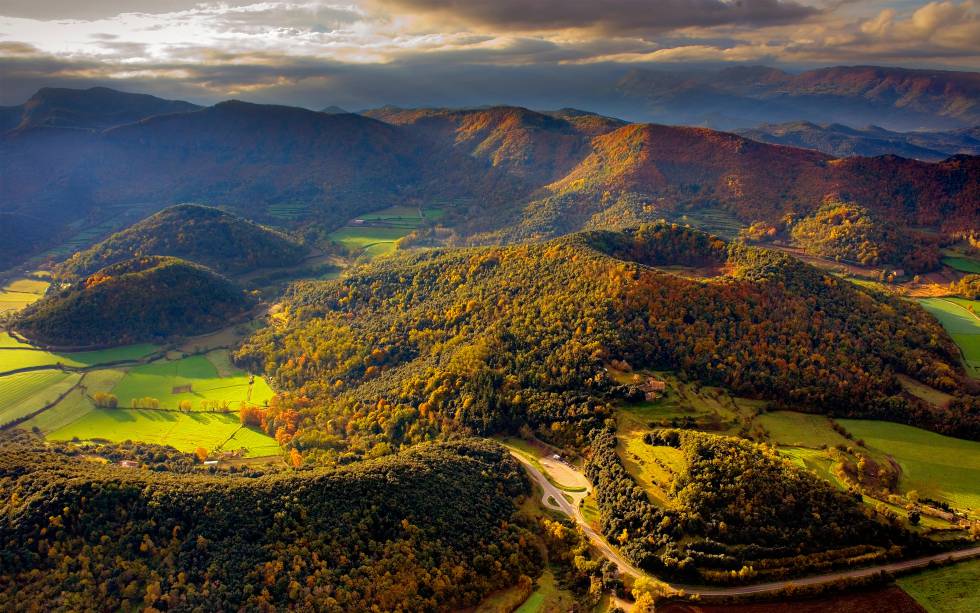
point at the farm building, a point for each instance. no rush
(652, 388)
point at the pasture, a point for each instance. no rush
(78, 403)
(183, 431)
(288, 211)
(967, 265)
(168, 381)
(800, 429)
(950, 589)
(19, 293)
(962, 322)
(375, 233)
(24, 393)
(936, 466)
(15, 355)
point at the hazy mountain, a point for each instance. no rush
(334, 110)
(519, 172)
(743, 97)
(96, 108)
(844, 141)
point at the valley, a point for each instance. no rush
(486, 359)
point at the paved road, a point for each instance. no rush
(600, 543)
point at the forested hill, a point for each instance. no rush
(426, 529)
(206, 235)
(489, 339)
(141, 299)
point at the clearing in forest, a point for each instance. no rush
(936, 466)
(194, 378)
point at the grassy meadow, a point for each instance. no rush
(19, 293)
(375, 240)
(936, 466)
(14, 355)
(24, 393)
(950, 589)
(962, 324)
(159, 379)
(183, 431)
(967, 265)
(800, 429)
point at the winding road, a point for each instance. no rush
(603, 546)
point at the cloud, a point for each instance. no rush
(608, 16)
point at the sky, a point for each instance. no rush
(366, 53)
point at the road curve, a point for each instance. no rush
(600, 543)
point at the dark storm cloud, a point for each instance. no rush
(612, 16)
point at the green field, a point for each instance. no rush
(380, 240)
(939, 467)
(23, 393)
(951, 589)
(158, 380)
(800, 429)
(78, 403)
(962, 325)
(183, 431)
(12, 359)
(654, 467)
(963, 264)
(19, 293)
(712, 220)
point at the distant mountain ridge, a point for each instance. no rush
(96, 108)
(746, 96)
(506, 173)
(844, 141)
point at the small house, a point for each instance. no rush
(129, 464)
(652, 388)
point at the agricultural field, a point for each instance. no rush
(962, 322)
(15, 355)
(381, 229)
(794, 429)
(288, 211)
(715, 221)
(967, 265)
(169, 381)
(936, 466)
(951, 589)
(19, 293)
(183, 431)
(24, 393)
(78, 403)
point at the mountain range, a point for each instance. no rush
(839, 140)
(745, 96)
(508, 172)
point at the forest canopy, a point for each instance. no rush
(485, 340)
(427, 529)
(141, 299)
